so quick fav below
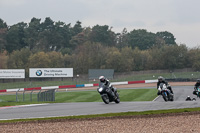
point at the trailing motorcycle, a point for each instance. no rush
(108, 95)
(197, 92)
(166, 94)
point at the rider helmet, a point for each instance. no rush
(160, 78)
(102, 79)
(198, 80)
(188, 98)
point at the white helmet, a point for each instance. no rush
(160, 78)
(102, 79)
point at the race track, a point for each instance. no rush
(69, 109)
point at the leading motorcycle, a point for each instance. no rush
(166, 94)
(107, 94)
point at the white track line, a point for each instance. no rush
(19, 106)
(156, 98)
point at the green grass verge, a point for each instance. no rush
(82, 96)
(151, 112)
(93, 96)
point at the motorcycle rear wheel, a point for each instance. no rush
(172, 99)
(117, 100)
(198, 95)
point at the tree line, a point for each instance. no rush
(51, 44)
(57, 36)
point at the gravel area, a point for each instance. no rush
(164, 123)
(188, 122)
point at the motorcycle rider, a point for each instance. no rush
(107, 83)
(196, 86)
(162, 80)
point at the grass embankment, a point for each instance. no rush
(82, 96)
(93, 96)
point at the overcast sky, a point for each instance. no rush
(180, 17)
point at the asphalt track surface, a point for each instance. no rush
(71, 109)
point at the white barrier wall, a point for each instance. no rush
(12, 73)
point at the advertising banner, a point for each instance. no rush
(12, 73)
(50, 72)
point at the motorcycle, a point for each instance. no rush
(198, 92)
(166, 94)
(107, 94)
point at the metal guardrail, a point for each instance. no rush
(42, 95)
(48, 95)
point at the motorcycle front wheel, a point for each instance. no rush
(105, 98)
(165, 97)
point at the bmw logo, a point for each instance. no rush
(38, 72)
